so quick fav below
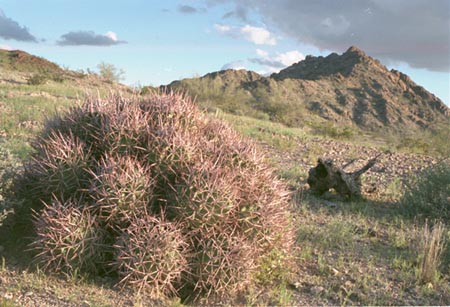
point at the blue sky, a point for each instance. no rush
(156, 42)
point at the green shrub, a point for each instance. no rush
(415, 144)
(110, 72)
(37, 79)
(168, 198)
(333, 131)
(427, 195)
(58, 77)
(145, 90)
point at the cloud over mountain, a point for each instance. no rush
(89, 38)
(273, 63)
(256, 35)
(413, 31)
(236, 65)
(10, 29)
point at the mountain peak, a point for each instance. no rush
(348, 89)
(234, 73)
(355, 50)
(333, 65)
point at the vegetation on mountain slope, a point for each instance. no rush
(351, 90)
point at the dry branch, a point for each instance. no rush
(326, 176)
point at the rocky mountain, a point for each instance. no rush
(348, 90)
(351, 89)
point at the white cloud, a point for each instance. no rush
(290, 57)
(267, 71)
(256, 35)
(259, 36)
(111, 35)
(222, 28)
(262, 53)
(273, 63)
(236, 65)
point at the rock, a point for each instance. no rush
(8, 296)
(335, 272)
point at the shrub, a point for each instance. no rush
(110, 72)
(37, 79)
(334, 131)
(58, 77)
(428, 194)
(153, 189)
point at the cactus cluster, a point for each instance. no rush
(157, 192)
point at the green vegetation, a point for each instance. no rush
(7, 303)
(428, 194)
(42, 78)
(20, 61)
(274, 134)
(110, 72)
(329, 107)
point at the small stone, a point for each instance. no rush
(8, 296)
(335, 272)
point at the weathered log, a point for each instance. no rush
(326, 176)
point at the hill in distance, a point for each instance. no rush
(21, 61)
(351, 90)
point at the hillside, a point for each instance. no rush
(21, 61)
(351, 90)
(33, 88)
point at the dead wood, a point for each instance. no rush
(326, 176)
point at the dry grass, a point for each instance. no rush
(431, 246)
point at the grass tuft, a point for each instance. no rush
(431, 246)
